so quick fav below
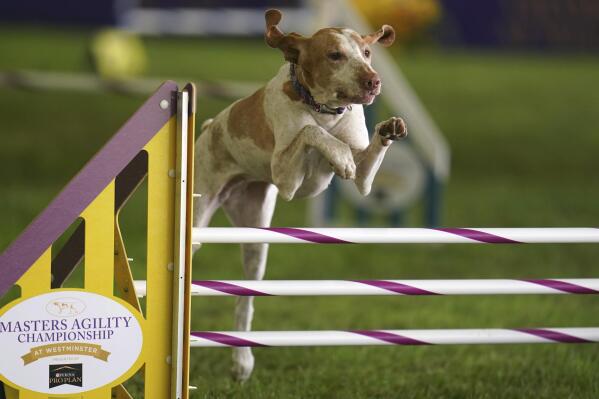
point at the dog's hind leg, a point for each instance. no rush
(213, 175)
(204, 207)
(249, 205)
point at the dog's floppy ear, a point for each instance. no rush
(384, 36)
(289, 44)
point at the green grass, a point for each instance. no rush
(523, 131)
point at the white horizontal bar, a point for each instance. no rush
(393, 337)
(394, 235)
(140, 288)
(386, 287)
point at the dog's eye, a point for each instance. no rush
(335, 55)
(367, 53)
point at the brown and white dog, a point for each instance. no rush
(291, 136)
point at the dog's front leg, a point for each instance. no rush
(369, 160)
(288, 163)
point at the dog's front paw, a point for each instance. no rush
(343, 162)
(392, 129)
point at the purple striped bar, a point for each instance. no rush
(395, 339)
(553, 335)
(396, 287)
(225, 339)
(228, 288)
(563, 286)
(306, 235)
(479, 236)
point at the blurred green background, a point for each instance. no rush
(523, 132)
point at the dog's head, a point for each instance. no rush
(335, 63)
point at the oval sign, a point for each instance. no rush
(68, 342)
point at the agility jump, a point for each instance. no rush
(157, 143)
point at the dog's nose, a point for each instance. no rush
(372, 82)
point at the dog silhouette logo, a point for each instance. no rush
(65, 307)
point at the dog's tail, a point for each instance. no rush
(206, 124)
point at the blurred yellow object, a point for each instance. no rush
(118, 54)
(408, 17)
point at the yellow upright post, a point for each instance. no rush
(85, 343)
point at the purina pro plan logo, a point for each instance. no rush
(68, 342)
(60, 374)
